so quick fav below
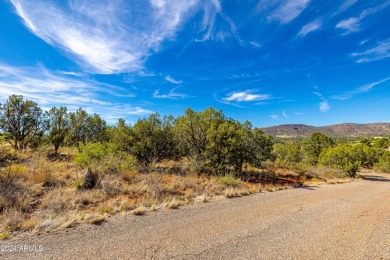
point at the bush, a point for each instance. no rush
(102, 159)
(315, 145)
(229, 180)
(366, 155)
(341, 157)
(92, 153)
(288, 154)
(153, 139)
(383, 164)
(8, 154)
(215, 143)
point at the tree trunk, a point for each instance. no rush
(56, 147)
(89, 180)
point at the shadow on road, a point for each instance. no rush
(306, 187)
(376, 178)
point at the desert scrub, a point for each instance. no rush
(383, 164)
(229, 180)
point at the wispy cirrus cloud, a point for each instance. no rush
(284, 114)
(353, 24)
(49, 89)
(101, 36)
(246, 96)
(345, 5)
(284, 11)
(360, 90)
(172, 80)
(170, 95)
(211, 11)
(379, 52)
(310, 27)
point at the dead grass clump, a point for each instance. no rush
(130, 176)
(18, 171)
(87, 199)
(8, 154)
(46, 178)
(30, 223)
(175, 203)
(243, 192)
(72, 222)
(94, 219)
(139, 211)
(58, 201)
(202, 198)
(270, 187)
(12, 221)
(231, 193)
(16, 196)
(126, 205)
(154, 185)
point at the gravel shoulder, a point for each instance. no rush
(347, 221)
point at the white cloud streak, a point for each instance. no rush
(284, 114)
(285, 11)
(173, 81)
(353, 24)
(379, 52)
(360, 90)
(50, 89)
(102, 36)
(246, 96)
(310, 27)
(346, 5)
(211, 10)
(171, 95)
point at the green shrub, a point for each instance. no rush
(383, 164)
(341, 157)
(287, 154)
(367, 155)
(215, 143)
(229, 180)
(104, 158)
(93, 152)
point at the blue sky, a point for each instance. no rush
(270, 61)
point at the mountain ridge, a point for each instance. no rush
(343, 129)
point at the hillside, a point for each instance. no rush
(346, 129)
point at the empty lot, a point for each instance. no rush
(348, 221)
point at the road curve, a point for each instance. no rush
(344, 221)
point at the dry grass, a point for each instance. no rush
(139, 211)
(174, 204)
(94, 219)
(40, 192)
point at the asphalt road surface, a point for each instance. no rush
(343, 221)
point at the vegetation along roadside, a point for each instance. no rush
(59, 169)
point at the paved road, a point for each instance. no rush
(344, 221)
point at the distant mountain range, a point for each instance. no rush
(346, 129)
